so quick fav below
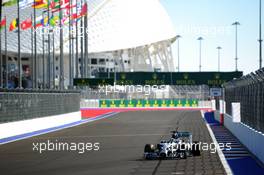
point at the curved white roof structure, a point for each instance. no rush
(122, 24)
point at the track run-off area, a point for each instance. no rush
(120, 139)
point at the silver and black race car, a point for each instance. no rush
(179, 146)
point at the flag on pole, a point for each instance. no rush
(65, 20)
(54, 20)
(8, 3)
(38, 4)
(84, 10)
(82, 13)
(68, 8)
(74, 16)
(55, 5)
(39, 22)
(65, 3)
(22, 3)
(13, 25)
(2, 24)
(44, 21)
(26, 24)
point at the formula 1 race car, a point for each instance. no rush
(179, 146)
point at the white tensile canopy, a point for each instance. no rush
(122, 24)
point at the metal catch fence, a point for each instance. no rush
(18, 105)
(249, 91)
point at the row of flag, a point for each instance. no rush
(44, 21)
(52, 4)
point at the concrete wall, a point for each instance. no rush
(251, 138)
(27, 126)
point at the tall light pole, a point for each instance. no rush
(178, 38)
(219, 48)
(236, 24)
(200, 58)
(260, 35)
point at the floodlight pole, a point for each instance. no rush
(200, 58)
(219, 48)
(236, 24)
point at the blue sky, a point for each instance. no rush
(212, 20)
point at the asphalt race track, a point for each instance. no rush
(122, 139)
